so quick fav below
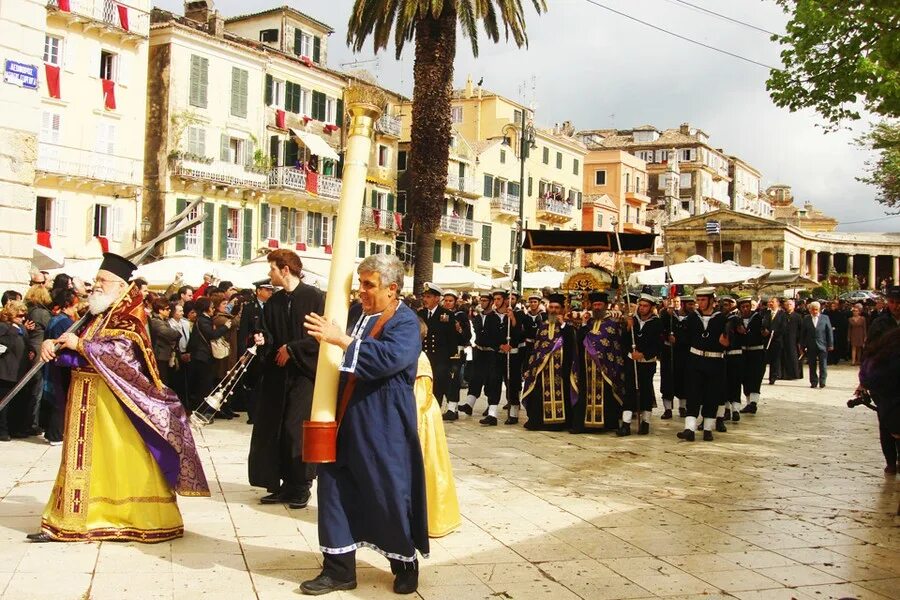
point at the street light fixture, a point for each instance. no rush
(527, 143)
(145, 228)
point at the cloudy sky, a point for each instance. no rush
(599, 69)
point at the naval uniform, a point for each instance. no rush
(754, 356)
(648, 340)
(487, 343)
(439, 345)
(706, 367)
(734, 366)
(530, 326)
(463, 338)
(511, 377)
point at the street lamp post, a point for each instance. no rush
(526, 143)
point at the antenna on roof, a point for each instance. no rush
(357, 63)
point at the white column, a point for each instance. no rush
(737, 252)
(896, 270)
(873, 285)
(830, 263)
(814, 266)
(850, 264)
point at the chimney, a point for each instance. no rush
(198, 10)
(685, 129)
(215, 24)
(470, 88)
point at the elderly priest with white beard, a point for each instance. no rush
(127, 444)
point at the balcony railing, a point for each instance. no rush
(457, 225)
(376, 218)
(506, 203)
(221, 172)
(388, 124)
(301, 181)
(554, 207)
(233, 248)
(462, 184)
(77, 162)
(107, 12)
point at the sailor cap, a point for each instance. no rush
(647, 298)
(705, 291)
(451, 293)
(430, 288)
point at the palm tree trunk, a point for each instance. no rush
(430, 136)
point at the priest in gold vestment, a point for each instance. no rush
(127, 444)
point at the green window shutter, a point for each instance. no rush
(546, 156)
(285, 224)
(317, 49)
(575, 167)
(361, 249)
(245, 91)
(199, 81)
(270, 83)
(291, 153)
(248, 234)
(263, 221)
(208, 225)
(239, 78)
(559, 160)
(288, 96)
(488, 186)
(318, 106)
(297, 37)
(390, 202)
(223, 232)
(180, 204)
(437, 251)
(293, 220)
(296, 108)
(274, 144)
(204, 81)
(373, 248)
(530, 181)
(579, 200)
(339, 116)
(467, 254)
(223, 147)
(485, 242)
(374, 199)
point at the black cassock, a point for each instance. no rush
(284, 394)
(791, 365)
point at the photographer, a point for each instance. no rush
(880, 375)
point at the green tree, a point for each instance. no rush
(839, 56)
(432, 24)
(884, 172)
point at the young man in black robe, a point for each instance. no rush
(791, 366)
(288, 360)
(774, 324)
(642, 345)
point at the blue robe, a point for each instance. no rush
(374, 494)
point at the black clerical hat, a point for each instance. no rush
(118, 265)
(598, 297)
(558, 298)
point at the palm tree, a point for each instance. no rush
(433, 25)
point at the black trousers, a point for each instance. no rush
(342, 567)
(494, 377)
(642, 396)
(706, 378)
(514, 381)
(440, 367)
(202, 382)
(454, 383)
(481, 366)
(774, 358)
(734, 374)
(666, 373)
(754, 369)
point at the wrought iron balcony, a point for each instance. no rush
(299, 180)
(506, 203)
(388, 125)
(380, 220)
(85, 164)
(457, 226)
(464, 185)
(554, 209)
(221, 173)
(110, 15)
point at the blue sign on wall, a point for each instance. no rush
(21, 74)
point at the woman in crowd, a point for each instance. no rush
(13, 354)
(65, 305)
(164, 338)
(178, 377)
(23, 416)
(856, 334)
(203, 378)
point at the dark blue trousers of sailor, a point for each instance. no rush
(513, 383)
(754, 369)
(482, 363)
(706, 381)
(643, 396)
(454, 383)
(734, 370)
(440, 368)
(496, 373)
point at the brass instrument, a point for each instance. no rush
(206, 412)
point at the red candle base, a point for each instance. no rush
(319, 441)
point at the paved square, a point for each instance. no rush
(790, 503)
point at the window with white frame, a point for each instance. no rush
(50, 124)
(383, 155)
(43, 213)
(274, 230)
(233, 235)
(686, 180)
(317, 230)
(599, 177)
(197, 141)
(277, 93)
(645, 155)
(331, 110)
(686, 154)
(456, 114)
(108, 64)
(306, 45)
(599, 220)
(52, 50)
(193, 237)
(102, 215)
(106, 138)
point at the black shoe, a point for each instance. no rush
(450, 416)
(623, 430)
(406, 582)
(644, 428)
(505, 406)
(667, 414)
(274, 498)
(707, 436)
(485, 413)
(682, 412)
(323, 584)
(720, 425)
(19, 435)
(39, 538)
(465, 408)
(727, 416)
(771, 382)
(299, 501)
(488, 420)
(249, 421)
(687, 434)
(735, 416)
(821, 385)
(750, 409)
(511, 421)
(5, 437)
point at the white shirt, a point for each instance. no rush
(815, 321)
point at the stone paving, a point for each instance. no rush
(790, 503)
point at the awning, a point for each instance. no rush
(589, 241)
(44, 258)
(316, 144)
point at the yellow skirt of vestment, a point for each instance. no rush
(109, 486)
(440, 489)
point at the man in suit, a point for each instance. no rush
(818, 338)
(441, 342)
(251, 322)
(774, 324)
